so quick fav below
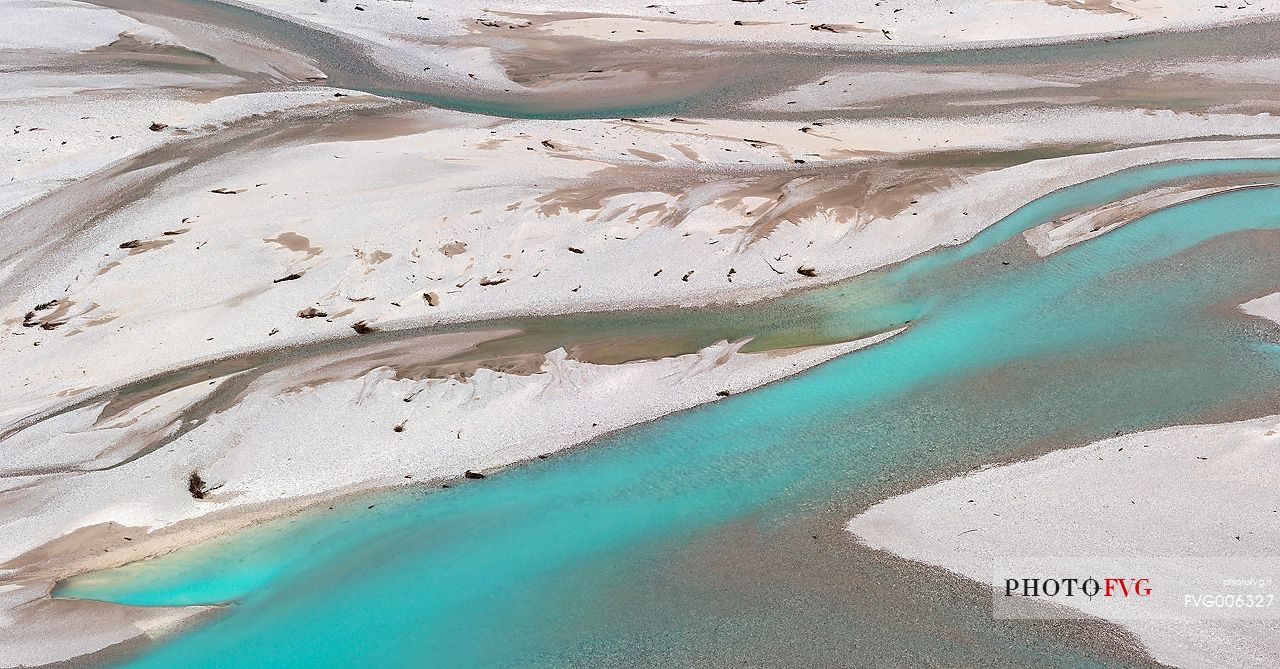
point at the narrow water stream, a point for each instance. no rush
(721, 81)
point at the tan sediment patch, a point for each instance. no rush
(295, 242)
(996, 159)
(435, 356)
(140, 247)
(1096, 6)
(233, 47)
(592, 196)
(842, 28)
(55, 314)
(856, 197)
(589, 70)
(657, 209)
(368, 127)
(706, 131)
(242, 297)
(454, 248)
(120, 402)
(81, 321)
(52, 319)
(687, 152)
(649, 156)
(76, 545)
(100, 320)
(543, 20)
(71, 392)
(521, 364)
(127, 52)
(157, 54)
(105, 544)
(570, 64)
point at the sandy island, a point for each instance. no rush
(1167, 496)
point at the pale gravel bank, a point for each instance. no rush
(488, 219)
(1180, 492)
(65, 119)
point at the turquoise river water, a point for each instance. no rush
(713, 537)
